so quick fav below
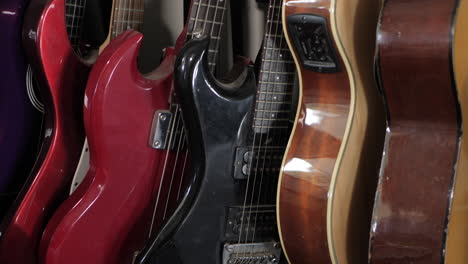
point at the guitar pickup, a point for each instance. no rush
(311, 41)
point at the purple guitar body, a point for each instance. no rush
(19, 120)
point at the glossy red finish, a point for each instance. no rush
(62, 79)
(120, 188)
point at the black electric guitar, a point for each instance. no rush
(236, 143)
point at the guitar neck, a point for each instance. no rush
(74, 20)
(276, 81)
(207, 19)
(126, 14)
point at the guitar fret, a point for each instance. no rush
(280, 93)
(276, 127)
(274, 21)
(273, 102)
(128, 21)
(276, 83)
(275, 36)
(273, 110)
(275, 72)
(128, 9)
(278, 61)
(75, 5)
(210, 6)
(206, 21)
(271, 119)
(212, 37)
(277, 49)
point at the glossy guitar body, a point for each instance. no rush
(112, 192)
(414, 195)
(19, 126)
(196, 230)
(62, 77)
(331, 163)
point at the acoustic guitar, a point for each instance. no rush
(62, 76)
(236, 142)
(457, 237)
(19, 120)
(330, 168)
(138, 149)
(420, 61)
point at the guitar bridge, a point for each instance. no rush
(254, 253)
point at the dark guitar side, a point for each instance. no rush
(414, 193)
(303, 192)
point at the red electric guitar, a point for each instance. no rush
(138, 152)
(62, 75)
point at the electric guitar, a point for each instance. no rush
(236, 143)
(138, 153)
(19, 120)
(62, 76)
(422, 87)
(327, 179)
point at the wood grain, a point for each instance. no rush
(414, 60)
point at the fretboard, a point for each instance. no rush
(74, 12)
(207, 19)
(126, 14)
(276, 82)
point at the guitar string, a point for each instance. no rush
(211, 64)
(217, 39)
(174, 168)
(132, 24)
(72, 27)
(264, 87)
(120, 18)
(138, 6)
(158, 195)
(281, 61)
(80, 25)
(181, 138)
(170, 137)
(251, 161)
(126, 24)
(115, 25)
(261, 152)
(178, 114)
(183, 169)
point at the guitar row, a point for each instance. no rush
(343, 146)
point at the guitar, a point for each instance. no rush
(415, 65)
(20, 121)
(137, 152)
(61, 75)
(325, 185)
(457, 238)
(236, 145)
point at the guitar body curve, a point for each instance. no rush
(114, 204)
(197, 228)
(20, 122)
(413, 198)
(62, 77)
(329, 171)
